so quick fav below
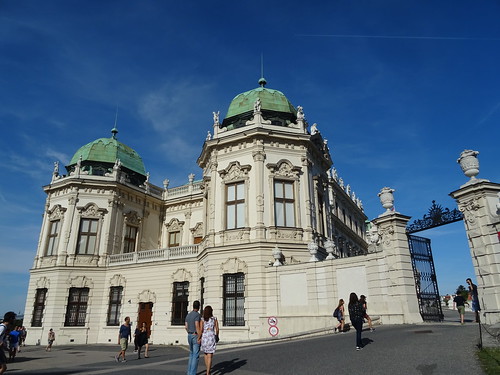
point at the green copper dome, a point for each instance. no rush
(273, 104)
(105, 151)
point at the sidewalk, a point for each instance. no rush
(436, 342)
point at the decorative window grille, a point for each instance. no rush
(38, 307)
(76, 311)
(234, 299)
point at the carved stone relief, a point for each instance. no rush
(175, 225)
(234, 265)
(235, 171)
(132, 218)
(80, 282)
(469, 208)
(181, 275)
(146, 296)
(284, 169)
(43, 282)
(91, 210)
(197, 231)
(117, 280)
(57, 212)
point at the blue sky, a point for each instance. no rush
(399, 88)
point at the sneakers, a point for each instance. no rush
(335, 330)
(117, 359)
(372, 329)
(358, 348)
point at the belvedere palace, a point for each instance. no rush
(269, 235)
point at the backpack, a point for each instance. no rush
(336, 313)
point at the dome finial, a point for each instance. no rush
(262, 80)
(114, 131)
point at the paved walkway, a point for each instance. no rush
(428, 348)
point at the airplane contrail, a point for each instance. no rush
(396, 37)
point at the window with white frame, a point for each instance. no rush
(174, 239)
(235, 205)
(53, 238)
(87, 236)
(284, 203)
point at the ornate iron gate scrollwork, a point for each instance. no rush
(425, 278)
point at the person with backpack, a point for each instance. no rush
(8, 319)
(339, 314)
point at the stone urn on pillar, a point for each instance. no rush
(277, 256)
(469, 163)
(313, 250)
(387, 199)
(330, 249)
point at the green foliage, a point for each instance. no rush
(490, 360)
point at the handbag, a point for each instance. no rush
(216, 338)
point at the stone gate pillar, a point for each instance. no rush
(479, 201)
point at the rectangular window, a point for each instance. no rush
(202, 293)
(234, 299)
(53, 239)
(235, 205)
(38, 307)
(130, 239)
(197, 240)
(284, 204)
(174, 239)
(115, 304)
(87, 236)
(76, 311)
(180, 303)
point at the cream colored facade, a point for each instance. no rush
(292, 237)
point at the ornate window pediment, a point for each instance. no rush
(57, 212)
(175, 225)
(80, 282)
(284, 169)
(197, 231)
(235, 171)
(92, 210)
(117, 280)
(181, 275)
(234, 265)
(132, 218)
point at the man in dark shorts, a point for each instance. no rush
(459, 301)
(8, 319)
(193, 328)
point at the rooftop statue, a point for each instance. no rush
(300, 113)
(314, 129)
(216, 117)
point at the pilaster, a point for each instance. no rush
(400, 280)
(480, 203)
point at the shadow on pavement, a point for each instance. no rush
(228, 366)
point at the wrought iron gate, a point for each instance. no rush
(425, 278)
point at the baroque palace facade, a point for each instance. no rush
(269, 231)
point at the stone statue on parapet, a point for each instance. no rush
(314, 129)
(216, 118)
